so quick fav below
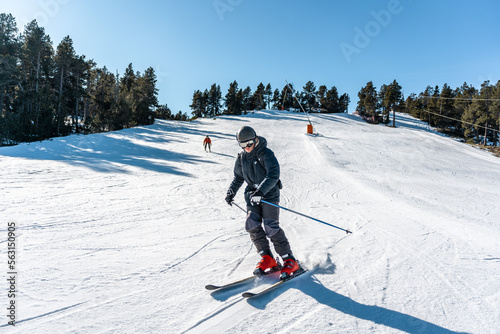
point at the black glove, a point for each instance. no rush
(256, 197)
(230, 196)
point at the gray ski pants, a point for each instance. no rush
(262, 223)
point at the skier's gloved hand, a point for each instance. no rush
(230, 196)
(256, 197)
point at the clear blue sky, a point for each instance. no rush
(193, 44)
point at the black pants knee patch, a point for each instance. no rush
(253, 220)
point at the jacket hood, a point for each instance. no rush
(260, 147)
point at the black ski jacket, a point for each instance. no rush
(260, 170)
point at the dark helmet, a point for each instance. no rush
(245, 133)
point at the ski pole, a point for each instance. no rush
(239, 207)
(303, 215)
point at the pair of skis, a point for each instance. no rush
(249, 294)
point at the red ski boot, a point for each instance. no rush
(290, 266)
(266, 265)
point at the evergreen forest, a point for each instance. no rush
(210, 103)
(464, 112)
(49, 92)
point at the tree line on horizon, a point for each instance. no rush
(47, 92)
(464, 112)
(211, 103)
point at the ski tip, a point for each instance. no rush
(211, 287)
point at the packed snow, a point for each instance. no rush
(120, 232)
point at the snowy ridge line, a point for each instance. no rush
(190, 256)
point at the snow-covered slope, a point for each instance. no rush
(120, 232)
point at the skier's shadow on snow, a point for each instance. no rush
(379, 315)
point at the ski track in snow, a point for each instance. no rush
(119, 232)
(189, 257)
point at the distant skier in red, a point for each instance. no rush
(207, 143)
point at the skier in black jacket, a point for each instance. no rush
(258, 167)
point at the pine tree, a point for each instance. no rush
(197, 105)
(287, 99)
(276, 100)
(461, 104)
(424, 99)
(247, 100)
(481, 106)
(146, 98)
(214, 101)
(321, 95)
(36, 100)
(233, 100)
(476, 117)
(383, 103)
(104, 110)
(204, 101)
(309, 96)
(123, 110)
(367, 104)
(10, 76)
(258, 97)
(65, 62)
(494, 110)
(344, 101)
(268, 96)
(445, 101)
(390, 99)
(80, 71)
(332, 104)
(163, 112)
(433, 107)
(414, 105)
(9, 53)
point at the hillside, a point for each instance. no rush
(120, 232)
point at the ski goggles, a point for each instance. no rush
(245, 144)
